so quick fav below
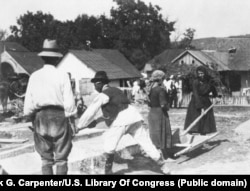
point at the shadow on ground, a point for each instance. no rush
(207, 147)
(138, 165)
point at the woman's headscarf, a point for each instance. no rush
(204, 70)
(157, 75)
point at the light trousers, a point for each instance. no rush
(141, 135)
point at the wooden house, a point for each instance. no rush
(83, 64)
(161, 61)
(17, 59)
(236, 58)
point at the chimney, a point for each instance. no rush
(232, 50)
(88, 43)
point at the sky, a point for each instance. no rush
(210, 18)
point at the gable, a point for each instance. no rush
(166, 57)
(70, 63)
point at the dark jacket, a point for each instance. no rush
(118, 102)
(201, 100)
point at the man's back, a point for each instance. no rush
(49, 86)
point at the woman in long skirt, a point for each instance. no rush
(200, 101)
(159, 124)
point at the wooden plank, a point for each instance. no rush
(196, 144)
(196, 120)
(11, 127)
(13, 140)
(182, 145)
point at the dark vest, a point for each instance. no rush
(118, 101)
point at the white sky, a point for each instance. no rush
(210, 18)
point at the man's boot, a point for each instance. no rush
(109, 163)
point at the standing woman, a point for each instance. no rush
(159, 124)
(202, 86)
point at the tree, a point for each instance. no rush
(186, 41)
(138, 31)
(89, 29)
(32, 29)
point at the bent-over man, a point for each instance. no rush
(121, 118)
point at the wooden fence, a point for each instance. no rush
(225, 100)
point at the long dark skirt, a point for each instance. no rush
(205, 125)
(159, 128)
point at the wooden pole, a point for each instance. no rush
(197, 120)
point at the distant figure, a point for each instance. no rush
(140, 94)
(178, 85)
(172, 92)
(200, 101)
(135, 90)
(81, 107)
(167, 82)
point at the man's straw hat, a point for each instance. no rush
(50, 49)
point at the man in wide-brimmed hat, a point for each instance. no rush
(121, 118)
(50, 102)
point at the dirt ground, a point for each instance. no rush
(227, 153)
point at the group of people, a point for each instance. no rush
(173, 86)
(159, 123)
(50, 104)
(49, 101)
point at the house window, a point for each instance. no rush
(193, 61)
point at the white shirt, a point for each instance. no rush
(167, 84)
(125, 117)
(178, 84)
(135, 88)
(49, 86)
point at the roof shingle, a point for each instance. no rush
(111, 61)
